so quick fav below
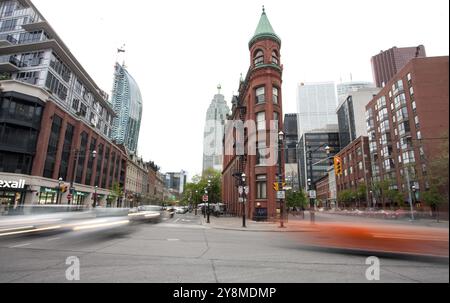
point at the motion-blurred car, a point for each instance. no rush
(181, 210)
(147, 214)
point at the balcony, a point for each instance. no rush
(7, 40)
(10, 64)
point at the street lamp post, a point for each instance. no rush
(244, 180)
(95, 198)
(58, 194)
(280, 176)
(208, 220)
(196, 205)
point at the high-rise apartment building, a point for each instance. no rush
(316, 106)
(127, 104)
(214, 132)
(388, 63)
(53, 117)
(408, 121)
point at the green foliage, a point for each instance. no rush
(296, 199)
(194, 191)
(361, 193)
(347, 196)
(433, 197)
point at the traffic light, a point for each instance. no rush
(338, 166)
(276, 186)
(64, 188)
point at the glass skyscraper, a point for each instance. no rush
(127, 104)
(317, 104)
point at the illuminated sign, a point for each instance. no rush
(13, 184)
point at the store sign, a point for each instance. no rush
(13, 184)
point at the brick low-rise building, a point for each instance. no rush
(408, 122)
(323, 191)
(356, 168)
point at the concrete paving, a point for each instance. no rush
(184, 250)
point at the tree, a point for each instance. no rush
(361, 193)
(194, 191)
(347, 196)
(296, 199)
(116, 193)
(433, 198)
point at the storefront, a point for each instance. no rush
(48, 196)
(12, 196)
(79, 198)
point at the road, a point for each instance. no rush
(181, 250)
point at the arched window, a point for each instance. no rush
(259, 58)
(275, 58)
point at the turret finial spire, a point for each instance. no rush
(264, 10)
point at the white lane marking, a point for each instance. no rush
(173, 240)
(20, 245)
(177, 220)
(53, 239)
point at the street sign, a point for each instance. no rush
(69, 197)
(247, 190)
(241, 200)
(241, 190)
(312, 194)
(281, 195)
(205, 198)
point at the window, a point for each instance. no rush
(75, 104)
(419, 135)
(83, 110)
(360, 166)
(59, 67)
(259, 58)
(404, 128)
(416, 120)
(29, 77)
(276, 118)
(52, 147)
(411, 91)
(408, 157)
(275, 95)
(275, 58)
(261, 187)
(261, 121)
(260, 95)
(56, 87)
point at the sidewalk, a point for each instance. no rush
(235, 224)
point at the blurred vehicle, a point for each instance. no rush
(171, 212)
(218, 209)
(181, 210)
(61, 218)
(147, 214)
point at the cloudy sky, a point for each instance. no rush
(179, 51)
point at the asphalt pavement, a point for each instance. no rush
(184, 250)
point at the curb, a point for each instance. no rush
(280, 230)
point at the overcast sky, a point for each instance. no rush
(179, 51)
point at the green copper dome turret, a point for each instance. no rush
(264, 30)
